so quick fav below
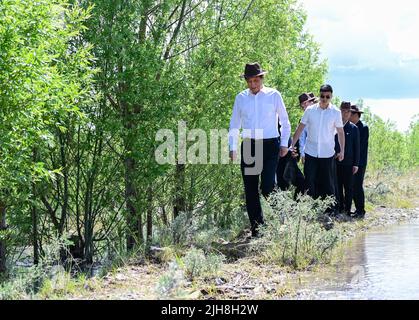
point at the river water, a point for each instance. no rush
(379, 265)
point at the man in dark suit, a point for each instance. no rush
(359, 197)
(347, 168)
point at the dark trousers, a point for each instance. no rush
(336, 184)
(280, 181)
(345, 187)
(288, 173)
(267, 179)
(358, 195)
(320, 177)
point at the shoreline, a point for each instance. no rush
(245, 278)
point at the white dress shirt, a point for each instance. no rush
(321, 129)
(258, 116)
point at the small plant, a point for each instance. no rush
(293, 234)
(58, 286)
(197, 264)
(170, 284)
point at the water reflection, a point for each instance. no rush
(379, 265)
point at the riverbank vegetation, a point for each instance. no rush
(84, 88)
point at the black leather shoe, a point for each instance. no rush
(358, 215)
(326, 221)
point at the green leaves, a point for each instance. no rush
(45, 71)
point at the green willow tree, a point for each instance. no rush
(165, 61)
(78, 131)
(400, 148)
(43, 76)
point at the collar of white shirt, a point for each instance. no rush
(262, 90)
(329, 106)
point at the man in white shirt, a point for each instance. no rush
(322, 120)
(256, 111)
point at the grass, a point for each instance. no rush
(392, 188)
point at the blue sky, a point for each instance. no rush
(372, 48)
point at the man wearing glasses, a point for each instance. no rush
(322, 120)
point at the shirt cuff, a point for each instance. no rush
(284, 142)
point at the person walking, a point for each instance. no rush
(288, 173)
(359, 195)
(322, 121)
(347, 168)
(303, 138)
(257, 111)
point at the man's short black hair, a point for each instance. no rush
(326, 88)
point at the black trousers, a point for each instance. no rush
(320, 176)
(358, 195)
(293, 176)
(280, 181)
(345, 187)
(269, 160)
(336, 184)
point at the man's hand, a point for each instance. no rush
(294, 152)
(354, 170)
(340, 156)
(233, 155)
(283, 152)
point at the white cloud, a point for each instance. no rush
(401, 111)
(373, 52)
(365, 33)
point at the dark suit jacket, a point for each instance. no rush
(364, 134)
(352, 150)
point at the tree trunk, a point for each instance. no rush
(88, 243)
(64, 206)
(34, 216)
(149, 214)
(3, 227)
(35, 241)
(135, 228)
(180, 201)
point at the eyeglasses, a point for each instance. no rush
(325, 97)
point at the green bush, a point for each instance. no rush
(293, 234)
(197, 264)
(170, 283)
(200, 230)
